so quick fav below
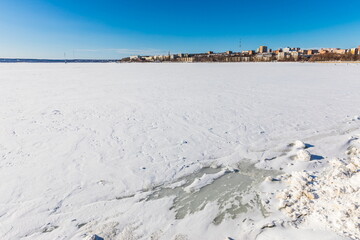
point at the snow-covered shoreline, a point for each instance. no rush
(84, 148)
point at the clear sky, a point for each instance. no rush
(118, 28)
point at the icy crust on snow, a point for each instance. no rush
(330, 198)
(204, 180)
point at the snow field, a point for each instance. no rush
(83, 147)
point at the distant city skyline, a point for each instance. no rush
(112, 29)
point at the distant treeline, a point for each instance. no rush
(335, 57)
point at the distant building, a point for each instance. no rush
(295, 55)
(354, 51)
(264, 56)
(340, 51)
(148, 58)
(287, 49)
(282, 56)
(181, 55)
(249, 52)
(186, 59)
(311, 52)
(161, 58)
(262, 49)
(329, 50)
(288, 55)
(174, 56)
(323, 51)
(137, 57)
(263, 53)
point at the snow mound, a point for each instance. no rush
(354, 147)
(330, 199)
(303, 155)
(299, 144)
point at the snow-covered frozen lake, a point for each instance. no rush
(163, 151)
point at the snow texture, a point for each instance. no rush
(84, 146)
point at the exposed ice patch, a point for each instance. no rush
(204, 180)
(232, 190)
(176, 184)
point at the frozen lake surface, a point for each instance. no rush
(165, 151)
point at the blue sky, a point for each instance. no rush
(117, 28)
